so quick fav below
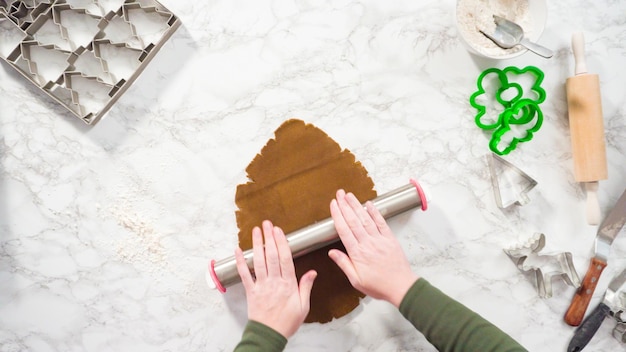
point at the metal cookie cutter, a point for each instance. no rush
(619, 314)
(504, 106)
(555, 265)
(619, 332)
(510, 184)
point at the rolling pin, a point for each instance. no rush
(223, 273)
(586, 128)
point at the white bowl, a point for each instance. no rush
(469, 16)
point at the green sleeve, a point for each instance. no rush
(449, 325)
(260, 337)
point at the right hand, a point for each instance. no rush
(376, 264)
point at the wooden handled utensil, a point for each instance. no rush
(586, 128)
(607, 232)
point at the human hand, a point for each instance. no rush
(275, 298)
(376, 264)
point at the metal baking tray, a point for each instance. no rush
(83, 53)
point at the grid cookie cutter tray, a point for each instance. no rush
(84, 54)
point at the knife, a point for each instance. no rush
(608, 230)
(592, 323)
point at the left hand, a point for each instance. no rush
(275, 298)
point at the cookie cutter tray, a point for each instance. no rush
(84, 54)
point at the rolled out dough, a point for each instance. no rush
(292, 181)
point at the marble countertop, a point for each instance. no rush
(106, 231)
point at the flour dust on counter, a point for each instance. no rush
(142, 247)
(142, 241)
(147, 248)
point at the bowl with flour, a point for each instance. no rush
(472, 16)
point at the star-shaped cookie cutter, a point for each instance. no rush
(562, 261)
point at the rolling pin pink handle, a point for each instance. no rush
(420, 191)
(215, 281)
(578, 47)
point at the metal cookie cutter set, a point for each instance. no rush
(83, 53)
(549, 266)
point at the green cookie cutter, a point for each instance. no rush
(529, 108)
(530, 111)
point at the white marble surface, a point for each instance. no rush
(105, 231)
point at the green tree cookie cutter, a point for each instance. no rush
(514, 106)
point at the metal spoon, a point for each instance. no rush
(509, 34)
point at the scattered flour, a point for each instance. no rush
(148, 250)
(476, 15)
(143, 248)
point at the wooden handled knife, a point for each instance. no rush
(608, 230)
(592, 322)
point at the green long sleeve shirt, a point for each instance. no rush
(446, 323)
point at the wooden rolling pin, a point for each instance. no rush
(586, 128)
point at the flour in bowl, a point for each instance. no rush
(476, 15)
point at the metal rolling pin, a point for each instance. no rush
(223, 273)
